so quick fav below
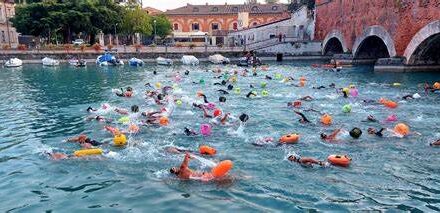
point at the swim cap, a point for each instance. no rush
(124, 119)
(243, 117)
(179, 102)
(302, 78)
(223, 82)
(158, 85)
(222, 99)
(355, 133)
(237, 90)
(436, 85)
(230, 87)
(119, 140)
(416, 95)
(264, 93)
(346, 108)
(278, 76)
(345, 90)
(210, 105)
(135, 108)
(202, 81)
(263, 84)
(326, 119)
(205, 129)
(402, 129)
(163, 121)
(217, 112)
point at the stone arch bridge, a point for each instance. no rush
(390, 33)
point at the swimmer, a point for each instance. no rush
(99, 118)
(185, 173)
(186, 72)
(230, 87)
(222, 99)
(189, 132)
(90, 109)
(320, 87)
(268, 77)
(223, 91)
(204, 98)
(134, 109)
(303, 119)
(175, 150)
(373, 131)
(251, 93)
(127, 93)
(331, 137)
(436, 143)
(147, 85)
(306, 98)
(345, 93)
(410, 97)
(305, 161)
(84, 141)
(370, 118)
(263, 141)
(244, 118)
(57, 155)
(332, 85)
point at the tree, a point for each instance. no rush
(251, 1)
(135, 20)
(272, 1)
(295, 5)
(163, 25)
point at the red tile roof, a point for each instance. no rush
(228, 9)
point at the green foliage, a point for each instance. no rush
(293, 6)
(135, 20)
(163, 25)
(272, 1)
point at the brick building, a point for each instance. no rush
(8, 34)
(209, 18)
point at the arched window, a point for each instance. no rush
(215, 9)
(215, 26)
(254, 9)
(175, 26)
(274, 8)
(235, 26)
(195, 26)
(254, 24)
(235, 9)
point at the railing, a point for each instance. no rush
(270, 42)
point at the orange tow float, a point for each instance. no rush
(339, 160)
(289, 139)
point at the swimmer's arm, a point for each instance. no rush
(334, 134)
(185, 162)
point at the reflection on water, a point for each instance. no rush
(41, 107)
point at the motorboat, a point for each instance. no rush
(218, 59)
(108, 60)
(136, 62)
(50, 62)
(190, 60)
(13, 62)
(164, 61)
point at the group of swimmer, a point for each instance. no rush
(133, 120)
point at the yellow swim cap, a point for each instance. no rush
(119, 140)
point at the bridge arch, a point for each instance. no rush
(333, 43)
(374, 42)
(424, 46)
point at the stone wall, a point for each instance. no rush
(294, 49)
(401, 19)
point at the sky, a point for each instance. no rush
(172, 4)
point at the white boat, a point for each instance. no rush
(108, 60)
(190, 60)
(136, 62)
(50, 62)
(13, 62)
(164, 61)
(218, 59)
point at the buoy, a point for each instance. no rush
(207, 150)
(326, 119)
(164, 121)
(346, 108)
(84, 152)
(222, 168)
(339, 160)
(436, 85)
(290, 138)
(401, 129)
(119, 140)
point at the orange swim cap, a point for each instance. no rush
(402, 129)
(326, 119)
(164, 121)
(436, 85)
(217, 112)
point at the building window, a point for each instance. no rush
(175, 26)
(195, 9)
(274, 8)
(214, 9)
(272, 36)
(235, 9)
(254, 9)
(215, 26)
(3, 37)
(235, 26)
(195, 27)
